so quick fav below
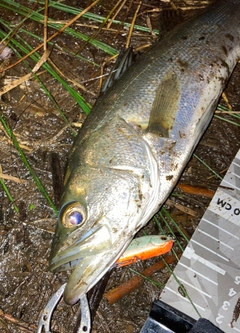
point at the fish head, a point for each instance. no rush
(97, 220)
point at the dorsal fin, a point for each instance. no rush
(169, 18)
(165, 105)
(171, 15)
(124, 61)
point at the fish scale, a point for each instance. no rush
(162, 104)
(129, 151)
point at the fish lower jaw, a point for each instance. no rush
(90, 270)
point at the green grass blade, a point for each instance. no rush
(38, 17)
(94, 17)
(181, 288)
(27, 164)
(26, 48)
(156, 283)
(161, 214)
(228, 120)
(6, 190)
(207, 166)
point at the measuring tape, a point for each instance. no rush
(209, 269)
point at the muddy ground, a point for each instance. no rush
(25, 236)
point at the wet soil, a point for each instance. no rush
(25, 236)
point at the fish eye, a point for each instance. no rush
(73, 215)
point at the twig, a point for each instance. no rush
(227, 112)
(132, 25)
(52, 37)
(222, 171)
(45, 26)
(120, 4)
(70, 79)
(27, 77)
(224, 96)
(117, 293)
(24, 326)
(197, 190)
(21, 23)
(182, 208)
(14, 179)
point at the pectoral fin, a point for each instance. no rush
(165, 106)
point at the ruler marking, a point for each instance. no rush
(236, 175)
(235, 328)
(211, 281)
(198, 274)
(190, 254)
(192, 286)
(207, 248)
(214, 238)
(235, 163)
(185, 299)
(232, 185)
(217, 226)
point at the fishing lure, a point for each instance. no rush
(145, 247)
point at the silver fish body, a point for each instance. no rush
(136, 142)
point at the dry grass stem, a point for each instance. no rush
(182, 208)
(53, 36)
(12, 178)
(224, 96)
(27, 77)
(24, 326)
(227, 112)
(132, 25)
(120, 4)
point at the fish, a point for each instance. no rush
(137, 140)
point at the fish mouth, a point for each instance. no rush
(67, 254)
(89, 256)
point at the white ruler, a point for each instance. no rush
(209, 269)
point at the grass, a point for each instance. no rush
(11, 199)
(27, 164)
(19, 39)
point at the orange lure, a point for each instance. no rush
(145, 247)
